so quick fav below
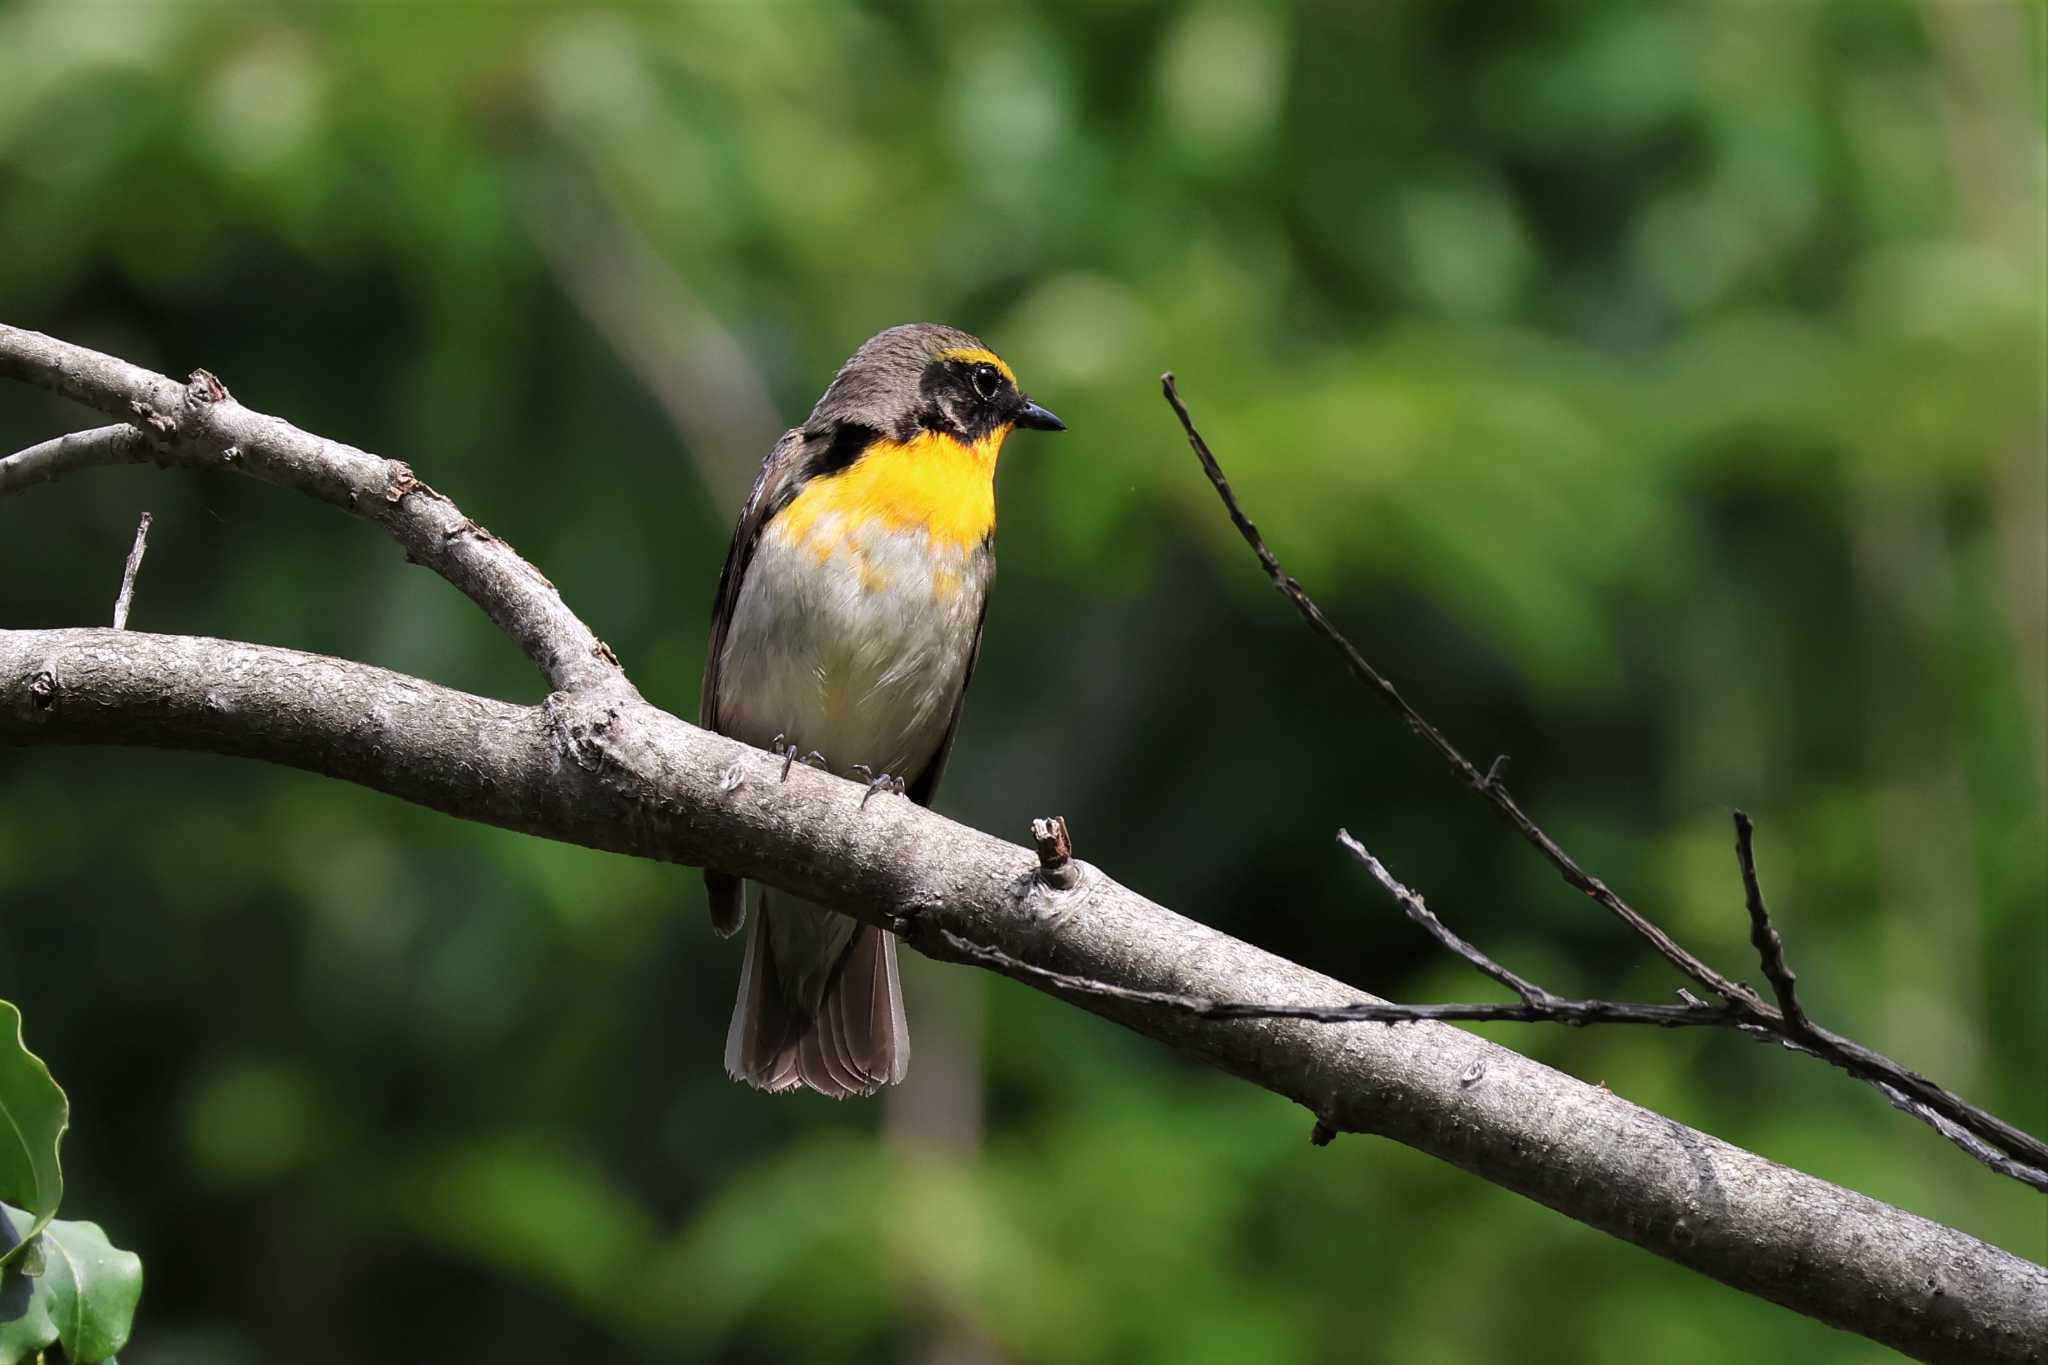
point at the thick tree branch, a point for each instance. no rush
(2007, 1149)
(608, 771)
(199, 425)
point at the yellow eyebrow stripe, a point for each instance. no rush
(975, 355)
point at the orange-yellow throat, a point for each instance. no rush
(932, 482)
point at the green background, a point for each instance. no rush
(1655, 393)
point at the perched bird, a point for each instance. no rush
(845, 629)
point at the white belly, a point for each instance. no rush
(860, 657)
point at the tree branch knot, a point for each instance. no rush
(400, 481)
(163, 424)
(42, 693)
(1057, 870)
(205, 387)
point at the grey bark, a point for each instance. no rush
(602, 768)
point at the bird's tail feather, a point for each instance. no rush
(851, 1041)
(725, 894)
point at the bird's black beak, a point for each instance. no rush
(1039, 419)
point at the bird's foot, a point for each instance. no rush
(877, 782)
(790, 757)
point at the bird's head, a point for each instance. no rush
(923, 378)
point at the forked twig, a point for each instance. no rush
(1488, 783)
(1983, 1135)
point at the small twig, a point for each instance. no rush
(1770, 948)
(1538, 1007)
(1553, 1010)
(2020, 1154)
(1962, 1137)
(135, 552)
(1532, 995)
(1910, 1093)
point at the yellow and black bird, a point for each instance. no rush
(846, 626)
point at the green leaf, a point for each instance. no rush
(33, 1117)
(83, 1301)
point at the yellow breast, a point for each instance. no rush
(932, 483)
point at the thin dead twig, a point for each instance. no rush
(1981, 1134)
(1487, 784)
(134, 566)
(1554, 1010)
(1533, 995)
(1770, 947)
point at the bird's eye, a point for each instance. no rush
(986, 381)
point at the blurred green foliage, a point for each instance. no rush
(1655, 392)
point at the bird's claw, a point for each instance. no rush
(877, 782)
(790, 756)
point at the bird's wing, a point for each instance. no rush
(927, 784)
(774, 487)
